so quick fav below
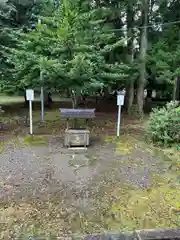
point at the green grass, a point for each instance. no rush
(1, 148)
(36, 140)
(7, 100)
(49, 116)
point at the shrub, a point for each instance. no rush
(164, 124)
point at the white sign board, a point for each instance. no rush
(120, 99)
(30, 94)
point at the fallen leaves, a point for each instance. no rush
(113, 205)
(145, 209)
(124, 147)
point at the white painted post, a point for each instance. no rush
(119, 120)
(30, 117)
(42, 96)
(120, 102)
(42, 104)
(30, 98)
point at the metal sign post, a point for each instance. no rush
(120, 102)
(42, 104)
(30, 117)
(30, 98)
(42, 97)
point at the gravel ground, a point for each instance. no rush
(65, 190)
(31, 170)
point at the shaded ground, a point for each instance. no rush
(36, 169)
(47, 190)
(51, 190)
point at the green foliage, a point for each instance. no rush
(69, 50)
(163, 55)
(14, 15)
(164, 124)
(80, 45)
(163, 63)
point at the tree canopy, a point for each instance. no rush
(84, 44)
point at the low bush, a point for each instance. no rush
(164, 124)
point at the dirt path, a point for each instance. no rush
(41, 176)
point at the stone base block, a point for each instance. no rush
(76, 137)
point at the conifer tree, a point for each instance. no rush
(72, 48)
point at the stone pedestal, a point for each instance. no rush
(76, 137)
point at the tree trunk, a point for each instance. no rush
(74, 99)
(130, 56)
(25, 99)
(129, 97)
(68, 93)
(74, 105)
(142, 57)
(176, 89)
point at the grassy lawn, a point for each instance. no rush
(6, 100)
(11, 100)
